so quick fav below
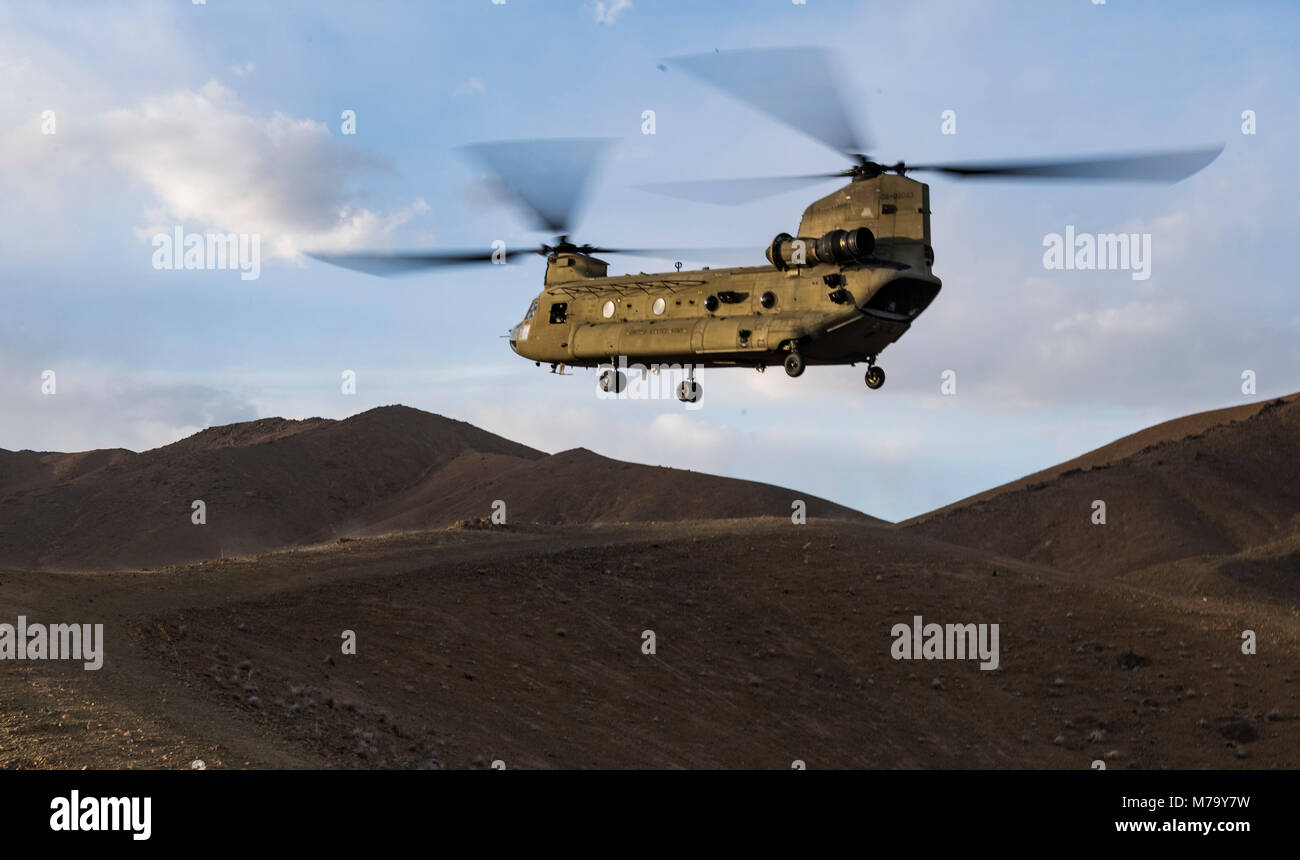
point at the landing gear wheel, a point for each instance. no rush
(689, 391)
(794, 364)
(613, 381)
(875, 378)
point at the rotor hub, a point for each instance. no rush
(868, 169)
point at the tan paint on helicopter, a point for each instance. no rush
(569, 326)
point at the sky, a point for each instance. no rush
(122, 121)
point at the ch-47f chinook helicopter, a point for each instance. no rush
(851, 281)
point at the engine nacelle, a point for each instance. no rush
(836, 248)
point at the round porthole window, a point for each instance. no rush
(607, 310)
(659, 305)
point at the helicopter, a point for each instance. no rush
(849, 282)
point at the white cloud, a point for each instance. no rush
(207, 159)
(97, 406)
(474, 86)
(243, 70)
(208, 163)
(606, 12)
(1132, 319)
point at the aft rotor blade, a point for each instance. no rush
(549, 177)
(1147, 167)
(801, 87)
(729, 192)
(390, 264)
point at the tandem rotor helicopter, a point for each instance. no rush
(848, 283)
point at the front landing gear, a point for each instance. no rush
(688, 390)
(875, 375)
(794, 364)
(613, 381)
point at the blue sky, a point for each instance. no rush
(226, 117)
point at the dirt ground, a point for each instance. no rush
(524, 645)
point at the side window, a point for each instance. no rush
(532, 310)
(559, 312)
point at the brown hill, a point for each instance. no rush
(277, 483)
(526, 645)
(1213, 484)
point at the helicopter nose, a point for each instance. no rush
(518, 333)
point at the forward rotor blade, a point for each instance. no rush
(549, 177)
(801, 87)
(729, 192)
(683, 253)
(390, 264)
(1148, 167)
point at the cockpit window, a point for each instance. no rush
(532, 310)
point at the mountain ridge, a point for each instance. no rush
(275, 483)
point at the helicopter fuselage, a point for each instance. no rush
(820, 296)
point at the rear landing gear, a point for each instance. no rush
(794, 364)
